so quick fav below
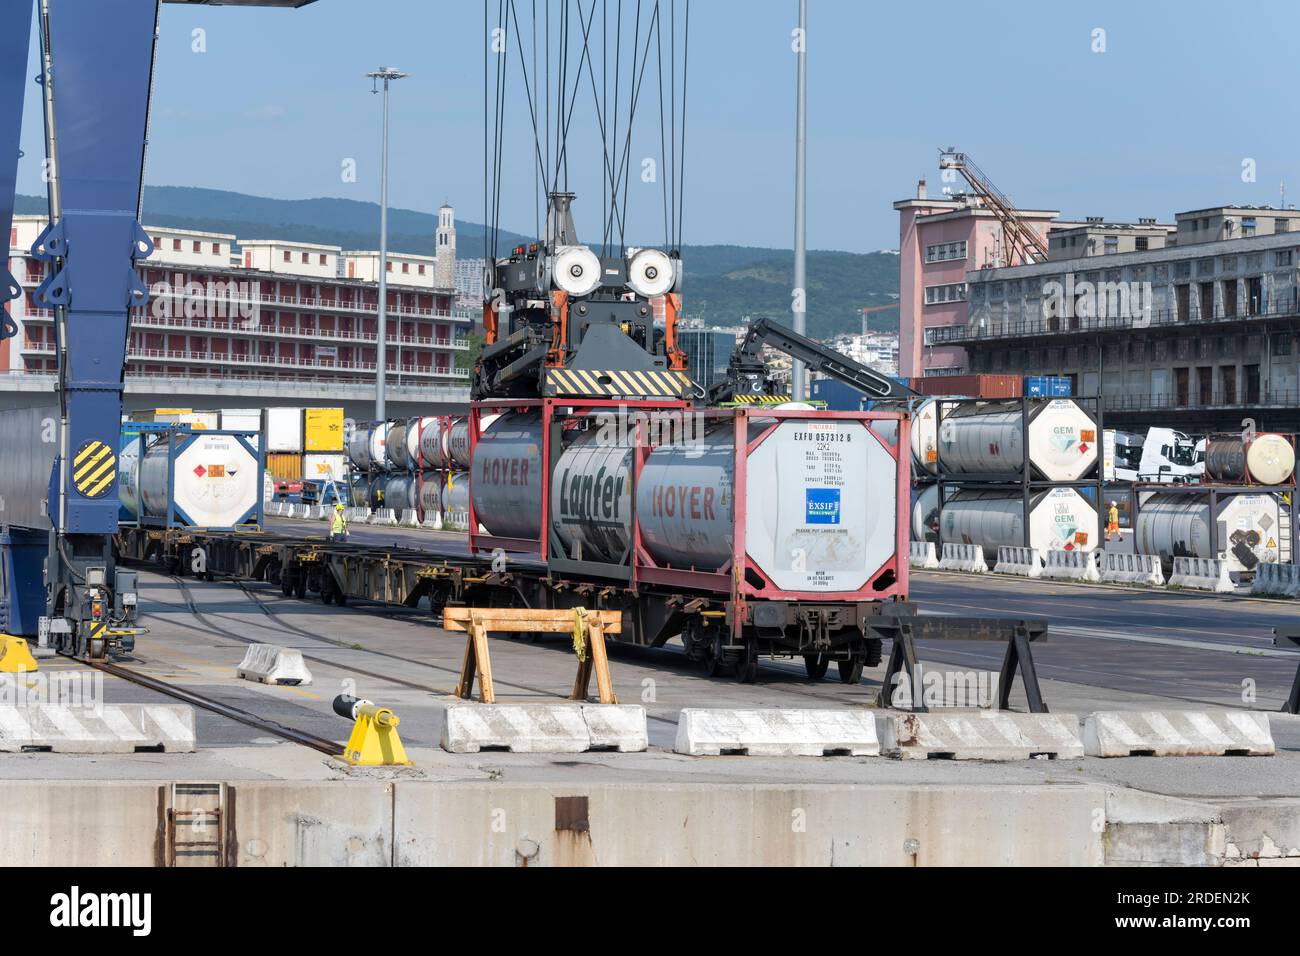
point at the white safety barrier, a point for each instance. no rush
(963, 557)
(1276, 580)
(1071, 566)
(98, 729)
(358, 515)
(469, 727)
(323, 512)
(921, 554)
(1202, 574)
(272, 664)
(410, 518)
(1177, 733)
(1132, 569)
(1025, 562)
(981, 735)
(384, 516)
(432, 522)
(302, 511)
(777, 733)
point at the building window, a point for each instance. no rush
(176, 245)
(305, 258)
(216, 248)
(1281, 225)
(1282, 257)
(951, 292)
(1248, 226)
(1111, 244)
(288, 256)
(323, 260)
(1282, 344)
(198, 246)
(421, 270)
(406, 268)
(1141, 243)
(1205, 267)
(942, 252)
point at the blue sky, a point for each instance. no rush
(1159, 122)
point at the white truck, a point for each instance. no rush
(1163, 456)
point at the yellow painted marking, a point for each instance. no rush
(90, 449)
(98, 473)
(84, 469)
(99, 488)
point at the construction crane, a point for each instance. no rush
(59, 485)
(1024, 245)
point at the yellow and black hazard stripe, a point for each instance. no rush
(98, 630)
(770, 400)
(608, 383)
(94, 468)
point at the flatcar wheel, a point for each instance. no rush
(816, 665)
(850, 671)
(711, 659)
(746, 667)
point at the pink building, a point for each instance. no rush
(940, 241)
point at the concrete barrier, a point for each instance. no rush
(1202, 574)
(777, 733)
(1025, 562)
(981, 735)
(1071, 566)
(469, 728)
(1132, 569)
(1177, 733)
(1276, 580)
(97, 729)
(921, 554)
(271, 664)
(432, 522)
(382, 516)
(963, 557)
(410, 518)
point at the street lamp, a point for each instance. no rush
(387, 74)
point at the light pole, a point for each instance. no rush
(800, 200)
(387, 74)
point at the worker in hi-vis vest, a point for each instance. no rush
(339, 527)
(1112, 521)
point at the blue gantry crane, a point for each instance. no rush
(58, 464)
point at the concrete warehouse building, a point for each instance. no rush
(236, 321)
(1192, 325)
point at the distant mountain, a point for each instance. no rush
(724, 285)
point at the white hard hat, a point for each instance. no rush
(1115, 502)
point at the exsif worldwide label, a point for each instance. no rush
(822, 505)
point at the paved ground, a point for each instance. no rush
(1111, 648)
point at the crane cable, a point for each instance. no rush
(616, 127)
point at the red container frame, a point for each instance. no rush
(732, 578)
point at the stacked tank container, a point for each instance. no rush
(415, 464)
(1021, 472)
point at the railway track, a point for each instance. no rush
(286, 627)
(329, 747)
